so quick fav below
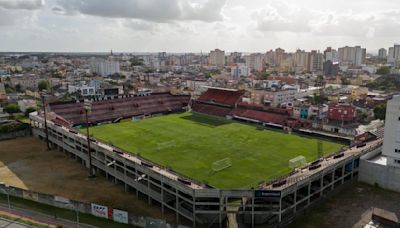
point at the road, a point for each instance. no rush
(39, 217)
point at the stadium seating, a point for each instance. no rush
(211, 109)
(108, 110)
(221, 96)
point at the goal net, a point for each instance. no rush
(221, 164)
(297, 162)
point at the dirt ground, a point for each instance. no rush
(350, 208)
(26, 163)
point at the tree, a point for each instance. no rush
(383, 70)
(18, 88)
(345, 81)
(380, 111)
(44, 85)
(29, 110)
(12, 108)
(135, 61)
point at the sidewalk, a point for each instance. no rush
(38, 217)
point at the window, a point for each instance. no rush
(396, 161)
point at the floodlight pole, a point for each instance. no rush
(87, 108)
(45, 121)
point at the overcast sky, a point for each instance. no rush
(194, 25)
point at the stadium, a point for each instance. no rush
(213, 160)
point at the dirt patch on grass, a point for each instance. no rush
(26, 163)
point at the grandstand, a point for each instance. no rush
(223, 102)
(112, 109)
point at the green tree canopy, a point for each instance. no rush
(12, 108)
(380, 111)
(44, 85)
(384, 70)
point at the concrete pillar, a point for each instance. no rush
(344, 164)
(295, 201)
(194, 208)
(162, 198)
(177, 205)
(309, 193)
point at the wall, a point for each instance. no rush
(384, 176)
(82, 207)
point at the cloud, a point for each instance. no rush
(377, 24)
(280, 16)
(150, 10)
(22, 4)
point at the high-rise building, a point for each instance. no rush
(301, 60)
(233, 58)
(255, 61)
(352, 56)
(391, 141)
(331, 54)
(382, 53)
(393, 56)
(217, 58)
(316, 61)
(104, 67)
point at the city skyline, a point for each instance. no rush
(192, 26)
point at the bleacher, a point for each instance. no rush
(108, 110)
(263, 116)
(221, 96)
(211, 109)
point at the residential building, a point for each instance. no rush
(316, 61)
(255, 61)
(341, 112)
(279, 97)
(239, 70)
(301, 60)
(382, 53)
(24, 104)
(105, 67)
(217, 58)
(352, 56)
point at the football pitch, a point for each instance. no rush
(193, 144)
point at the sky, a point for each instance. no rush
(196, 25)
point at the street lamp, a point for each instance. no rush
(7, 193)
(87, 106)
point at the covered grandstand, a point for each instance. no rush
(124, 107)
(225, 102)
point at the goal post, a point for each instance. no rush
(297, 162)
(221, 164)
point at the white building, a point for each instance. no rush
(104, 67)
(391, 142)
(382, 166)
(26, 103)
(84, 90)
(280, 97)
(217, 58)
(240, 70)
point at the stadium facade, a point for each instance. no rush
(270, 204)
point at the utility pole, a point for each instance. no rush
(88, 106)
(45, 120)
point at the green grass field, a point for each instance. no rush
(190, 143)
